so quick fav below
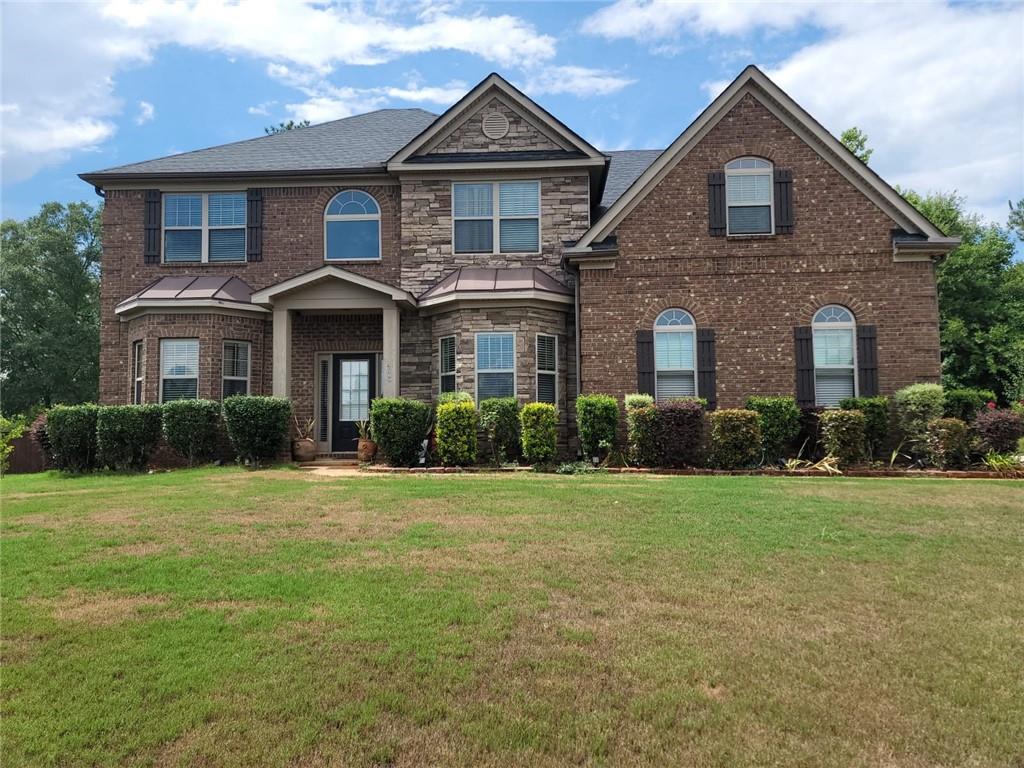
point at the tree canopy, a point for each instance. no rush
(855, 140)
(290, 125)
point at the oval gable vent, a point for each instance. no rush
(495, 125)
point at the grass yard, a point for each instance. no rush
(220, 617)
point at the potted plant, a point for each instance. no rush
(366, 449)
(303, 446)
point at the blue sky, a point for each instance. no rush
(938, 87)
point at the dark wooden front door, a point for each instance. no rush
(355, 384)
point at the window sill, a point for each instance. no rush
(757, 236)
(497, 253)
(377, 260)
(203, 263)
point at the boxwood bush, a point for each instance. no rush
(537, 425)
(455, 433)
(780, 424)
(998, 430)
(964, 404)
(876, 420)
(842, 434)
(257, 426)
(10, 430)
(597, 419)
(949, 443)
(192, 428)
(678, 430)
(914, 408)
(454, 397)
(126, 435)
(72, 433)
(399, 428)
(499, 417)
(641, 418)
(735, 438)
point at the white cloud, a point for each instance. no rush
(329, 102)
(261, 109)
(146, 113)
(938, 88)
(577, 81)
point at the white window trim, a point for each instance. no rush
(476, 363)
(496, 217)
(354, 217)
(205, 228)
(770, 173)
(692, 330)
(248, 366)
(441, 373)
(538, 371)
(139, 378)
(852, 327)
(199, 358)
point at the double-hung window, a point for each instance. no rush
(674, 360)
(835, 377)
(498, 217)
(236, 368)
(495, 365)
(748, 195)
(447, 364)
(207, 227)
(179, 369)
(547, 369)
(138, 371)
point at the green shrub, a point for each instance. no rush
(964, 404)
(577, 468)
(641, 421)
(455, 433)
(72, 433)
(949, 443)
(597, 419)
(499, 417)
(842, 433)
(399, 428)
(678, 432)
(780, 424)
(126, 435)
(257, 426)
(876, 420)
(537, 422)
(998, 430)
(637, 400)
(192, 428)
(701, 401)
(454, 397)
(914, 408)
(735, 438)
(10, 430)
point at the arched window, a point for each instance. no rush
(352, 227)
(834, 355)
(748, 195)
(675, 355)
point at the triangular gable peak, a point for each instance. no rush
(492, 119)
(755, 83)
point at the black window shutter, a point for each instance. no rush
(645, 362)
(716, 204)
(151, 225)
(803, 342)
(867, 360)
(254, 225)
(783, 201)
(706, 386)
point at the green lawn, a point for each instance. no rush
(220, 617)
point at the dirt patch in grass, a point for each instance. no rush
(101, 608)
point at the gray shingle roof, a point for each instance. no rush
(626, 166)
(352, 143)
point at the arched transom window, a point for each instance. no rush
(352, 227)
(834, 355)
(748, 195)
(675, 355)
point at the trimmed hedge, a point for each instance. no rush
(735, 438)
(399, 428)
(537, 423)
(597, 419)
(780, 424)
(998, 430)
(964, 404)
(455, 433)
(10, 430)
(876, 420)
(72, 433)
(192, 428)
(641, 418)
(949, 443)
(914, 408)
(637, 400)
(499, 417)
(126, 435)
(454, 397)
(257, 426)
(678, 433)
(842, 433)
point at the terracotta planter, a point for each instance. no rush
(366, 450)
(303, 450)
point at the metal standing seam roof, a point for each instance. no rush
(189, 288)
(495, 280)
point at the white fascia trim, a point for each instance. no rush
(135, 307)
(796, 118)
(266, 296)
(503, 165)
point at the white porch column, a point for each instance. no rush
(389, 364)
(282, 352)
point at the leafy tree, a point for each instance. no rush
(49, 287)
(1016, 218)
(291, 125)
(855, 140)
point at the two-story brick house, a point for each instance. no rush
(493, 250)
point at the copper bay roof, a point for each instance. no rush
(477, 280)
(189, 290)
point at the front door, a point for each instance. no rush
(355, 382)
